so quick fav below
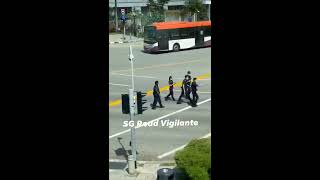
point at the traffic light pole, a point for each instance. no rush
(133, 130)
(132, 109)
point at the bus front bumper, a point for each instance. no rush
(151, 49)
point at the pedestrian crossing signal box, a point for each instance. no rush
(125, 104)
(140, 101)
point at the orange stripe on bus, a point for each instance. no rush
(175, 25)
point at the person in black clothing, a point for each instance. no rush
(185, 90)
(188, 85)
(156, 95)
(170, 89)
(182, 89)
(194, 89)
(189, 76)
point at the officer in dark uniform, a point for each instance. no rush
(189, 75)
(170, 89)
(194, 89)
(156, 95)
(182, 89)
(188, 85)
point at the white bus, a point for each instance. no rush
(173, 36)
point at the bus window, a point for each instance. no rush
(149, 34)
(184, 33)
(191, 32)
(207, 31)
(163, 34)
(174, 34)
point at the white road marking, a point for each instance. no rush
(179, 148)
(159, 118)
(118, 160)
(157, 66)
(171, 152)
(133, 75)
(118, 84)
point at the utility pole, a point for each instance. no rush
(116, 6)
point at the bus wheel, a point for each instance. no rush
(176, 47)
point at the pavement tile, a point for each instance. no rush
(119, 175)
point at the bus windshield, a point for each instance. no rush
(149, 34)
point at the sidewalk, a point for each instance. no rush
(147, 171)
(118, 38)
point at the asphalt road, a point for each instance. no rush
(156, 143)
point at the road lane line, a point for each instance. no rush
(115, 103)
(150, 92)
(162, 117)
(133, 75)
(179, 148)
(157, 66)
(200, 92)
(118, 84)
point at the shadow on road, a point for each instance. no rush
(122, 151)
(166, 52)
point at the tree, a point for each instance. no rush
(156, 11)
(195, 7)
(133, 15)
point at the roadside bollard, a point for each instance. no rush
(131, 165)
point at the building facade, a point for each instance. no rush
(173, 8)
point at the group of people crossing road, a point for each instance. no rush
(188, 86)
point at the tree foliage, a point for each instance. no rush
(195, 159)
(195, 6)
(156, 11)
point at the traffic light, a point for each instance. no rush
(140, 102)
(125, 104)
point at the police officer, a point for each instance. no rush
(194, 89)
(156, 95)
(188, 85)
(189, 76)
(170, 89)
(182, 89)
(185, 90)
